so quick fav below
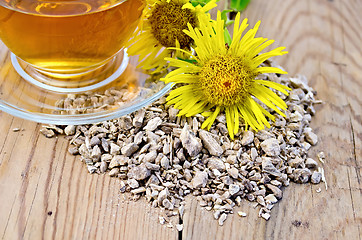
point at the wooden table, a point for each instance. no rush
(45, 193)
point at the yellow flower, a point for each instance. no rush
(222, 78)
(162, 27)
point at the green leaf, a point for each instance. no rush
(238, 5)
(224, 17)
(224, 14)
(188, 60)
(227, 36)
(200, 2)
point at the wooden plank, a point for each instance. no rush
(324, 43)
(47, 193)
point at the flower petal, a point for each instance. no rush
(210, 120)
(276, 86)
(271, 70)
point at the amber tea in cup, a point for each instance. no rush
(61, 41)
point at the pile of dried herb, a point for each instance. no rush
(164, 158)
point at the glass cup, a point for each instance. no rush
(65, 46)
(67, 43)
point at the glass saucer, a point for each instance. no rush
(125, 94)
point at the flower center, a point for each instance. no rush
(167, 22)
(226, 80)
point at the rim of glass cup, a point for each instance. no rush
(14, 105)
(147, 95)
(86, 118)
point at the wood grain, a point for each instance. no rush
(45, 193)
(324, 43)
(48, 194)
